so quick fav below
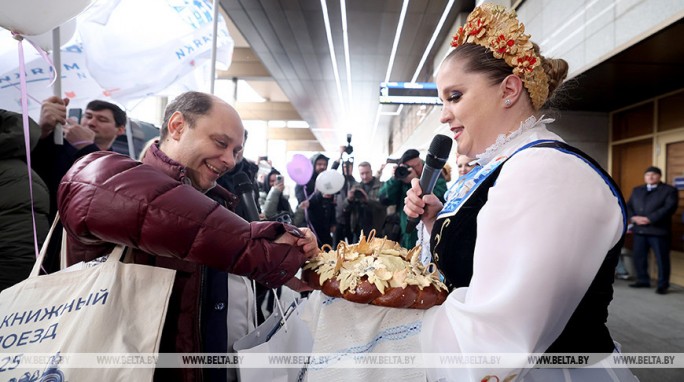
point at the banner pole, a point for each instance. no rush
(57, 86)
(214, 39)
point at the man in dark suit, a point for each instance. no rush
(650, 209)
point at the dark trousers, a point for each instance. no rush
(661, 248)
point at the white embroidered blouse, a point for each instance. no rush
(548, 223)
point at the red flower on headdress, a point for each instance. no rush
(503, 45)
(457, 37)
(475, 27)
(526, 63)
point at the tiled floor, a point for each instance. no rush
(645, 322)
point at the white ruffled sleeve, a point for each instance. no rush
(548, 223)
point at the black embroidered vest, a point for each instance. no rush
(586, 331)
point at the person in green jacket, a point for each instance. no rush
(394, 190)
(17, 251)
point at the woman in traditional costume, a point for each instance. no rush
(528, 243)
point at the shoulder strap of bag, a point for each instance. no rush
(43, 249)
(63, 250)
(115, 255)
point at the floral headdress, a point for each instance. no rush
(498, 30)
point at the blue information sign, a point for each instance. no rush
(417, 93)
(679, 182)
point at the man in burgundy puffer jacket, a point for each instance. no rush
(155, 208)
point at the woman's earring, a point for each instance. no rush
(508, 102)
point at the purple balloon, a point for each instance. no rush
(300, 169)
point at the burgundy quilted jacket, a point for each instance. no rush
(109, 198)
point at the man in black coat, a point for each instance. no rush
(650, 209)
(97, 130)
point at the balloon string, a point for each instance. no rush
(27, 140)
(46, 58)
(306, 213)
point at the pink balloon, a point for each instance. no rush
(300, 169)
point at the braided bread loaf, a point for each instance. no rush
(376, 271)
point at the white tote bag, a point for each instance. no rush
(48, 323)
(276, 335)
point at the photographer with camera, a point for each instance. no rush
(343, 230)
(393, 192)
(361, 206)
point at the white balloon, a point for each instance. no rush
(329, 182)
(34, 17)
(66, 32)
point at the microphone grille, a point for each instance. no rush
(440, 146)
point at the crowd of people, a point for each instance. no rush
(522, 279)
(200, 145)
(361, 206)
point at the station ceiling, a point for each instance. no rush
(285, 52)
(337, 93)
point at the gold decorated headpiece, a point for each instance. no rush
(498, 30)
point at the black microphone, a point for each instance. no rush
(245, 190)
(434, 162)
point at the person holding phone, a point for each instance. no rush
(95, 130)
(272, 198)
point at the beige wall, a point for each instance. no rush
(585, 130)
(587, 32)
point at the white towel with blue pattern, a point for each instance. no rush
(348, 329)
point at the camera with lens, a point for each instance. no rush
(283, 217)
(348, 148)
(401, 171)
(349, 161)
(358, 196)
